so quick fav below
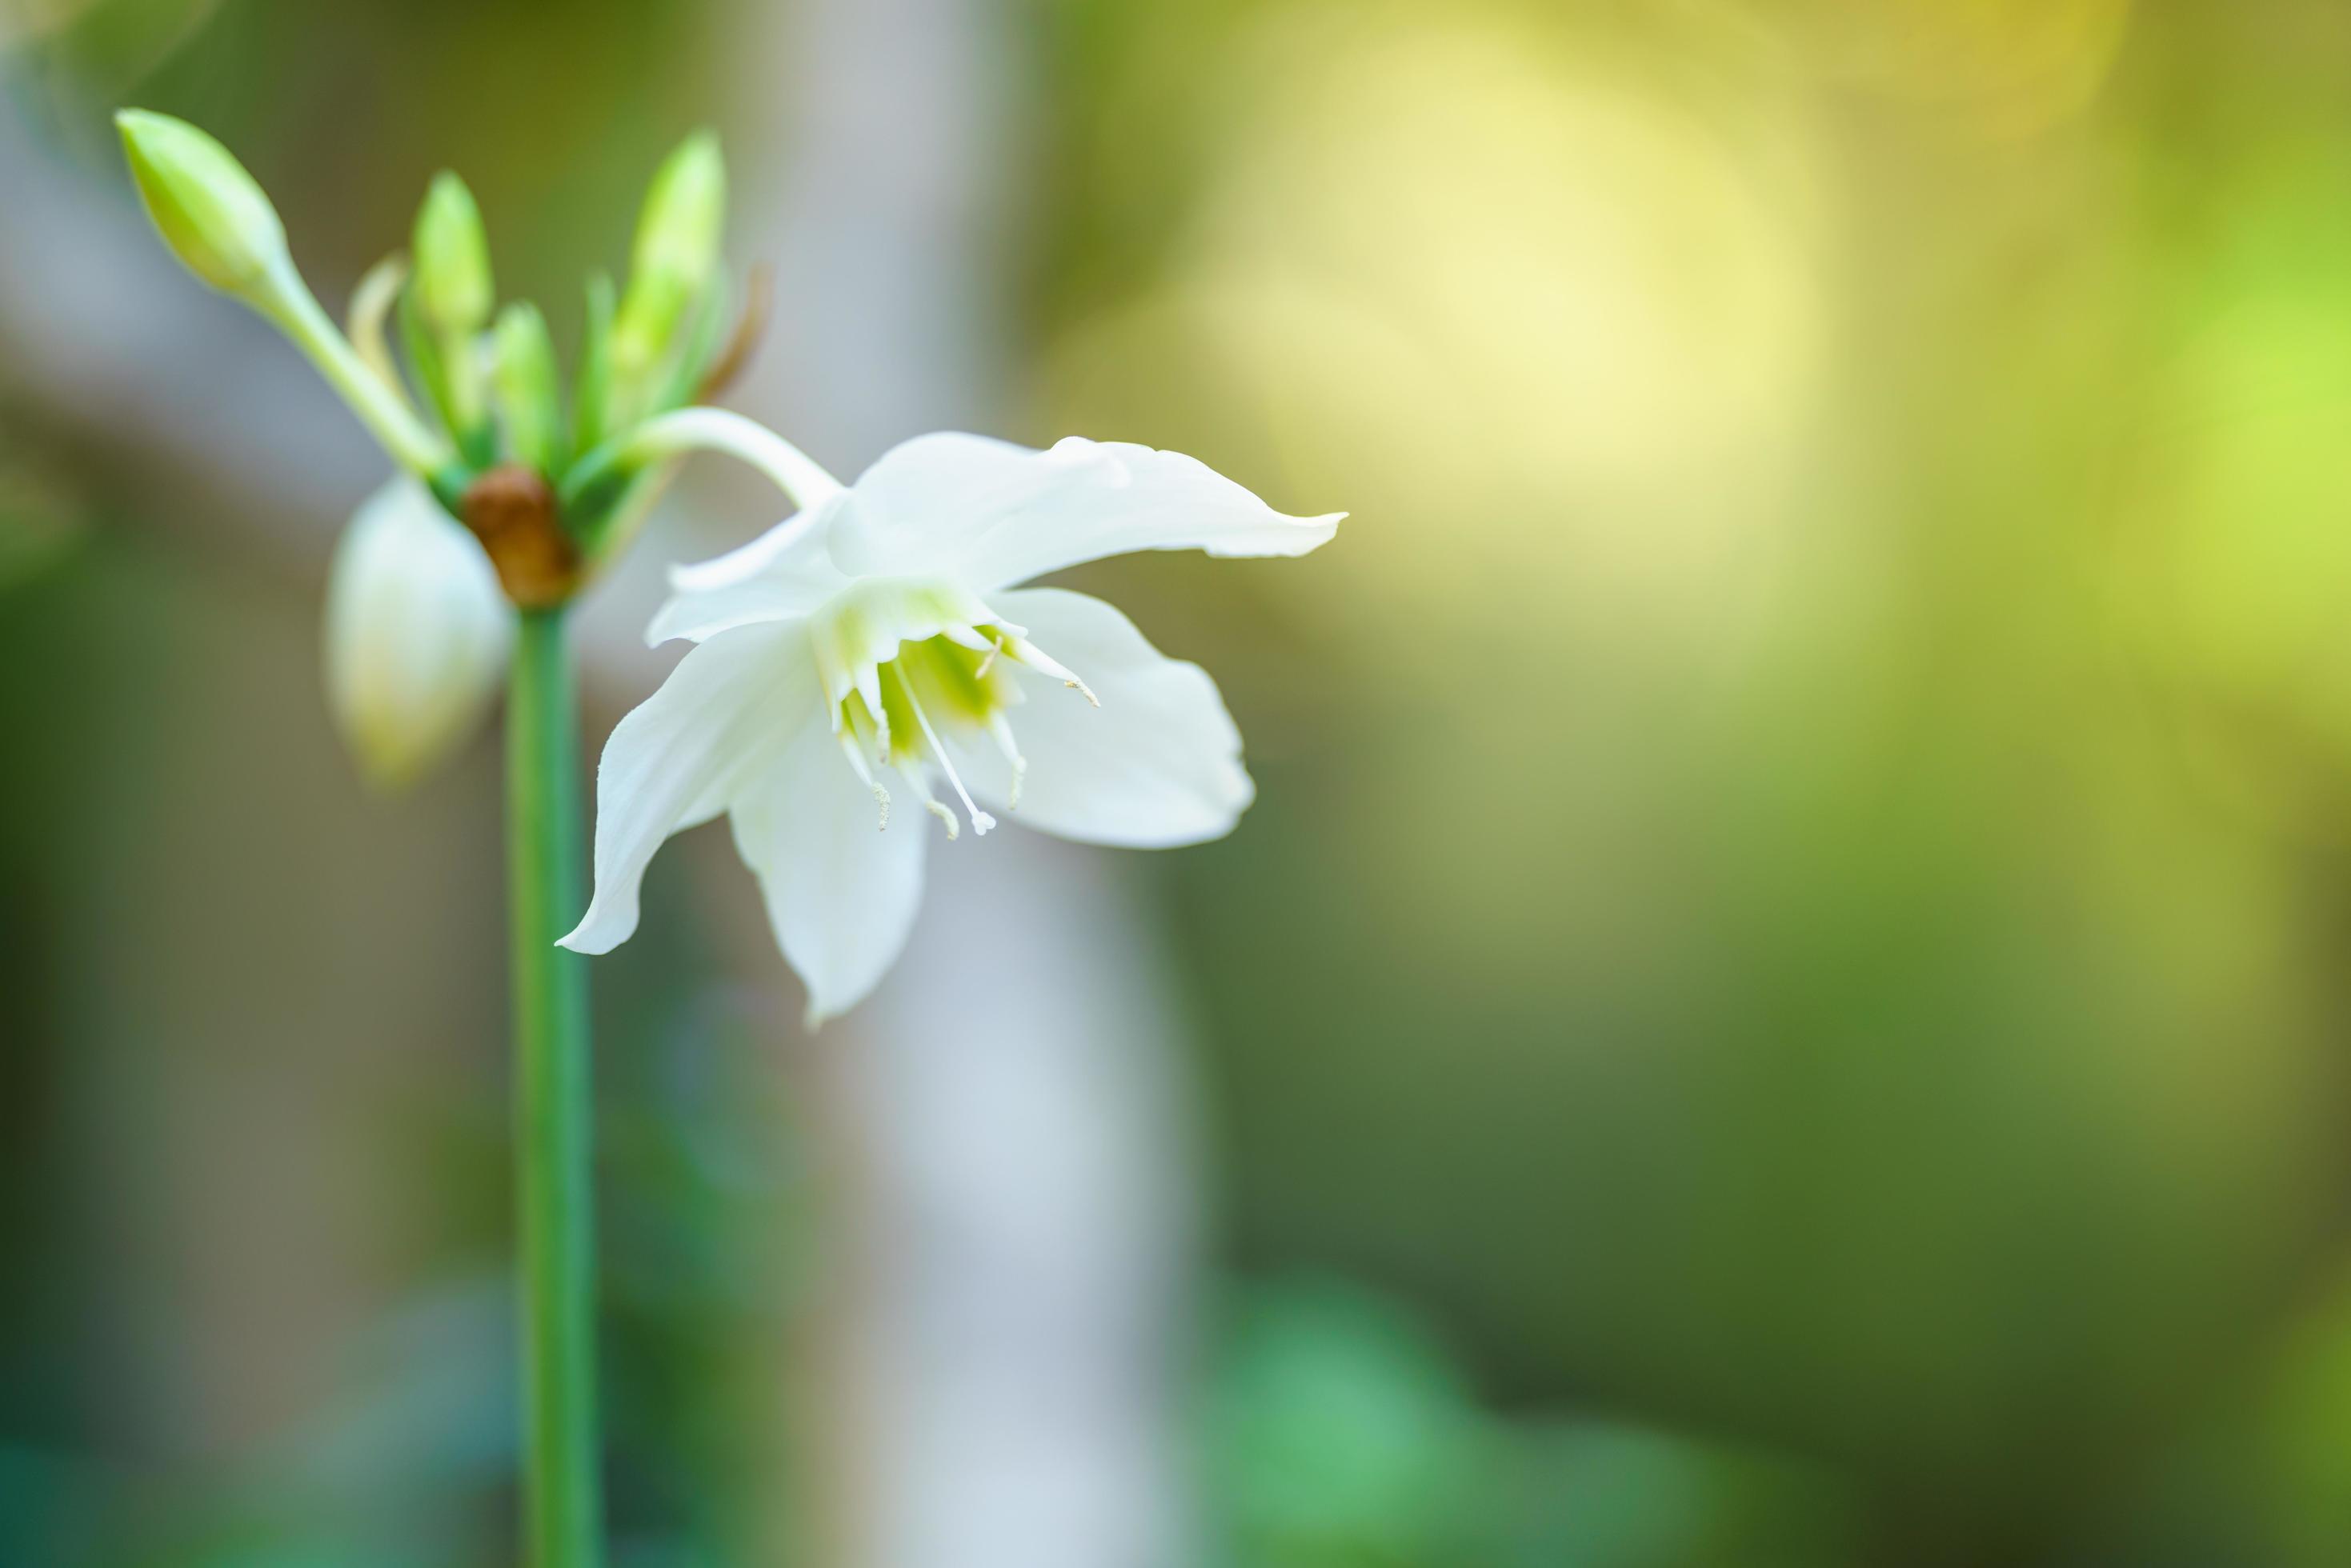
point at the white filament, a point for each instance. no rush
(980, 821)
(1001, 729)
(857, 762)
(1036, 657)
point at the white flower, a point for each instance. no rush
(417, 634)
(869, 657)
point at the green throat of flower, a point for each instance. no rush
(953, 687)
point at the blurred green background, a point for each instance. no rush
(1782, 1000)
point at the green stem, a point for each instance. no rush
(554, 1122)
(290, 303)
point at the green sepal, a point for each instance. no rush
(424, 350)
(451, 294)
(616, 507)
(455, 290)
(528, 389)
(466, 419)
(479, 441)
(590, 409)
(673, 259)
(703, 346)
(449, 483)
(591, 483)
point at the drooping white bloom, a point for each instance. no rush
(869, 666)
(417, 634)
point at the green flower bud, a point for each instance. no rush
(452, 283)
(207, 208)
(222, 228)
(676, 251)
(530, 393)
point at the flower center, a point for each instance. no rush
(932, 682)
(912, 667)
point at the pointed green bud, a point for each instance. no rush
(222, 228)
(676, 251)
(530, 393)
(209, 211)
(452, 283)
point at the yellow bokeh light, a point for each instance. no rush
(2009, 68)
(1526, 304)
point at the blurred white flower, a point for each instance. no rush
(417, 634)
(869, 655)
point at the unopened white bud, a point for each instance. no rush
(417, 634)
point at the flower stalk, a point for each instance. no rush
(420, 611)
(880, 641)
(554, 1105)
(297, 314)
(682, 431)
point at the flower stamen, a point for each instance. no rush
(995, 647)
(1000, 729)
(912, 772)
(980, 821)
(868, 685)
(849, 748)
(1036, 659)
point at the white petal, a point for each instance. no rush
(783, 573)
(417, 633)
(1157, 765)
(994, 513)
(681, 755)
(842, 891)
(748, 560)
